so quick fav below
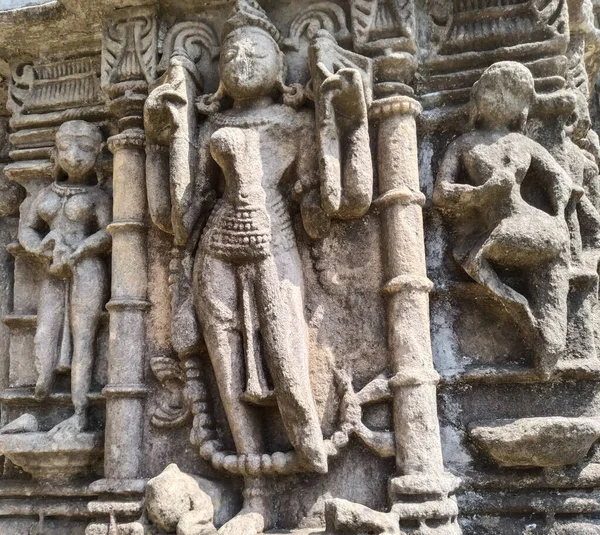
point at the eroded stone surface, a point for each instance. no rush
(317, 266)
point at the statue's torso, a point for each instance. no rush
(70, 213)
(256, 154)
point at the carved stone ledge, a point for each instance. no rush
(24, 396)
(39, 153)
(31, 170)
(29, 321)
(56, 118)
(27, 507)
(117, 391)
(132, 508)
(120, 487)
(567, 502)
(45, 489)
(58, 458)
(537, 442)
(568, 477)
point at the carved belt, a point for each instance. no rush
(242, 235)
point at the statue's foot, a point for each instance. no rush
(26, 423)
(71, 426)
(42, 389)
(246, 522)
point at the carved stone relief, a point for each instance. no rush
(315, 267)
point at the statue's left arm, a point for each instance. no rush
(344, 144)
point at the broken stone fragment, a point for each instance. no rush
(537, 442)
(176, 504)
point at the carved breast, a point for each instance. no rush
(80, 208)
(50, 206)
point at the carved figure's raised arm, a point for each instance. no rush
(343, 129)
(345, 153)
(170, 122)
(448, 194)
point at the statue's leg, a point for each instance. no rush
(88, 296)
(476, 264)
(216, 296)
(50, 316)
(549, 287)
(286, 351)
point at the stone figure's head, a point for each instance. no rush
(502, 96)
(251, 62)
(78, 145)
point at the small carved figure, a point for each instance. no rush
(65, 228)
(247, 281)
(508, 198)
(174, 504)
(567, 126)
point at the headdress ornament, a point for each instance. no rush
(249, 13)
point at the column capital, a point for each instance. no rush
(396, 105)
(129, 139)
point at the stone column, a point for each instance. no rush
(420, 492)
(128, 65)
(125, 389)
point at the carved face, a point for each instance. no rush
(503, 95)
(251, 64)
(78, 146)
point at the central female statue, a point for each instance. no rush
(247, 162)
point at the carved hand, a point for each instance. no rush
(76, 256)
(60, 260)
(345, 89)
(160, 113)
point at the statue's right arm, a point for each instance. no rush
(158, 186)
(201, 200)
(447, 193)
(31, 225)
(158, 125)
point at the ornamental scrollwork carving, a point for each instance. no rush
(129, 50)
(320, 16)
